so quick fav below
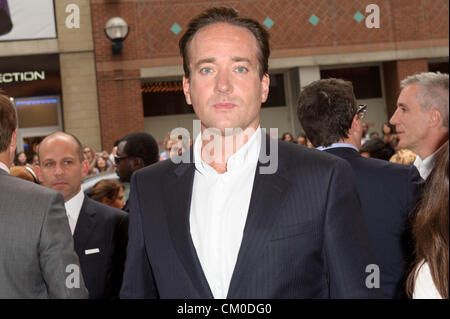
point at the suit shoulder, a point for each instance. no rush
(28, 189)
(157, 169)
(296, 155)
(386, 167)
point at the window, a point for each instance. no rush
(438, 66)
(366, 80)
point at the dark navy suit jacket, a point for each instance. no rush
(104, 228)
(388, 192)
(304, 237)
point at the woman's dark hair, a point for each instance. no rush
(108, 188)
(430, 228)
(283, 137)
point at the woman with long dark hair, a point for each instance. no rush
(428, 278)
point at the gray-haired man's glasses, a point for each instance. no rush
(361, 112)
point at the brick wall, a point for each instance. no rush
(405, 24)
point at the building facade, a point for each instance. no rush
(103, 96)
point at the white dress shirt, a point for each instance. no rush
(424, 287)
(4, 167)
(73, 207)
(426, 166)
(218, 211)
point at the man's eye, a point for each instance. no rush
(205, 70)
(241, 69)
(49, 165)
(67, 162)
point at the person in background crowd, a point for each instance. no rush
(36, 247)
(100, 232)
(113, 153)
(135, 151)
(287, 137)
(100, 165)
(374, 135)
(404, 156)
(187, 218)
(91, 157)
(376, 148)
(109, 192)
(301, 139)
(429, 278)
(365, 136)
(20, 159)
(34, 160)
(388, 131)
(331, 118)
(421, 117)
(165, 154)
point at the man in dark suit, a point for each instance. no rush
(37, 258)
(329, 114)
(236, 222)
(100, 232)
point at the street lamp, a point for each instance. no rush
(116, 30)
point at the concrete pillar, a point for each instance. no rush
(78, 78)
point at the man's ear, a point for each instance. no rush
(187, 90)
(84, 168)
(356, 125)
(138, 163)
(37, 170)
(434, 117)
(265, 82)
(13, 143)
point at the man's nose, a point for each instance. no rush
(223, 83)
(59, 169)
(393, 119)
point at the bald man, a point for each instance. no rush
(100, 232)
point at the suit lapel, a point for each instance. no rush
(181, 184)
(267, 196)
(85, 225)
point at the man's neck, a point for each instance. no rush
(431, 147)
(217, 149)
(351, 142)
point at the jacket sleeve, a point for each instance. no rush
(138, 282)
(59, 263)
(347, 247)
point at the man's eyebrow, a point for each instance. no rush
(240, 59)
(202, 61)
(402, 104)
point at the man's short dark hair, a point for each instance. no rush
(230, 16)
(8, 121)
(326, 109)
(141, 145)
